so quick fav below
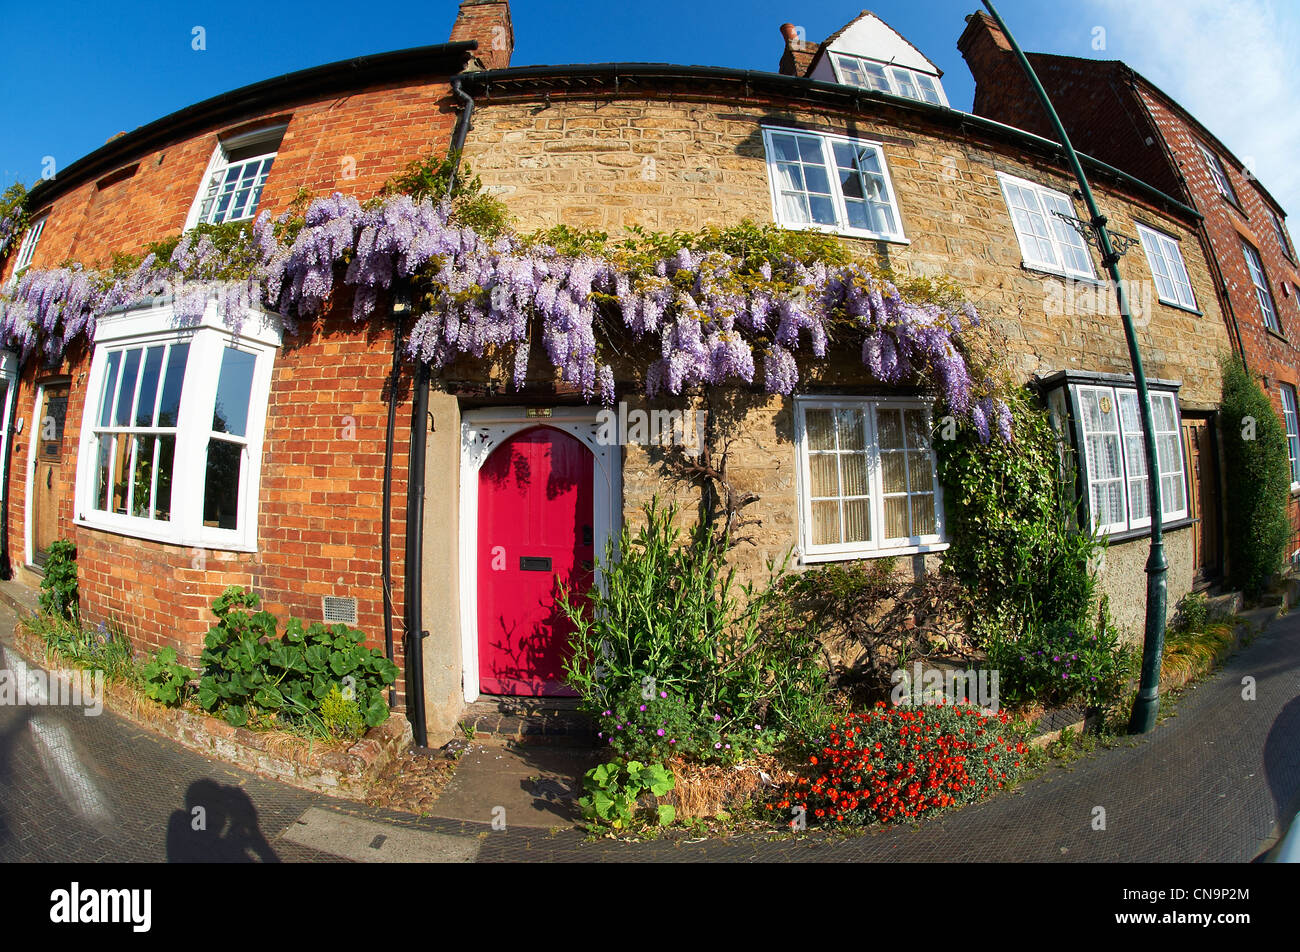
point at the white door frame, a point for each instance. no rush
(481, 432)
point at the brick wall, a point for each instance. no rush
(320, 518)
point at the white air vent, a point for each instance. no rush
(337, 610)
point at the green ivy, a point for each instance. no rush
(59, 585)
(1014, 544)
(1258, 474)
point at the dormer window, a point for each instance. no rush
(236, 175)
(884, 78)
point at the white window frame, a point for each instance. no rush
(9, 374)
(27, 248)
(260, 335)
(1130, 443)
(1292, 423)
(877, 546)
(841, 227)
(1058, 232)
(1164, 255)
(895, 77)
(220, 162)
(1283, 238)
(1263, 293)
(1218, 172)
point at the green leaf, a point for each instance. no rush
(208, 696)
(667, 814)
(236, 715)
(376, 711)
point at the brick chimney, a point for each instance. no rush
(799, 51)
(487, 21)
(1002, 92)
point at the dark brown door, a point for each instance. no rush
(1203, 479)
(48, 471)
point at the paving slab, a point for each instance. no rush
(531, 786)
(366, 841)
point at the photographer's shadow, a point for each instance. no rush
(217, 825)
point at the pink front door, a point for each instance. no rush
(534, 532)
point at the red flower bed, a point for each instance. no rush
(895, 763)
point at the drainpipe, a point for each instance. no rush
(386, 541)
(1148, 700)
(6, 570)
(413, 586)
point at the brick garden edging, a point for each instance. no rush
(319, 766)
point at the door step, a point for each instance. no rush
(528, 720)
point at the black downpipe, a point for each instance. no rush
(386, 543)
(413, 587)
(6, 569)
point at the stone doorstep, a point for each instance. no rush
(553, 721)
(347, 773)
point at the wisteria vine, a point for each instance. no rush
(710, 317)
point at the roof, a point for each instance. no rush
(444, 59)
(1199, 128)
(826, 43)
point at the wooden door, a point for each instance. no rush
(534, 532)
(48, 470)
(1203, 484)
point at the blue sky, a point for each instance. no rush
(78, 76)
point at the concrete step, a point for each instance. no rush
(1225, 605)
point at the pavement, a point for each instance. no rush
(1208, 784)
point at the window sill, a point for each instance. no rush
(812, 558)
(182, 542)
(1092, 280)
(1181, 307)
(1129, 535)
(848, 233)
(1277, 334)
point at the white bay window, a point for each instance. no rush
(867, 479)
(172, 429)
(1114, 460)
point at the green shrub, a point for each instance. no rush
(165, 679)
(1061, 663)
(613, 789)
(665, 725)
(251, 676)
(1014, 545)
(429, 177)
(58, 595)
(1258, 475)
(669, 621)
(342, 716)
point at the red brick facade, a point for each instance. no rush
(322, 464)
(1115, 115)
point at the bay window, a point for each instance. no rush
(867, 478)
(172, 429)
(1114, 471)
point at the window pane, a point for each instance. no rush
(785, 148)
(889, 429)
(854, 469)
(110, 388)
(126, 395)
(851, 433)
(121, 466)
(824, 472)
(102, 474)
(821, 432)
(221, 484)
(825, 523)
(163, 494)
(234, 386)
(821, 209)
(921, 470)
(142, 489)
(857, 520)
(893, 472)
(897, 522)
(171, 395)
(923, 514)
(149, 386)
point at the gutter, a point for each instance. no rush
(413, 586)
(823, 93)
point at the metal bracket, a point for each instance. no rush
(1091, 233)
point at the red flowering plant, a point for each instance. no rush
(896, 763)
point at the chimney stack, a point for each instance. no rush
(1002, 91)
(984, 46)
(488, 22)
(798, 51)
